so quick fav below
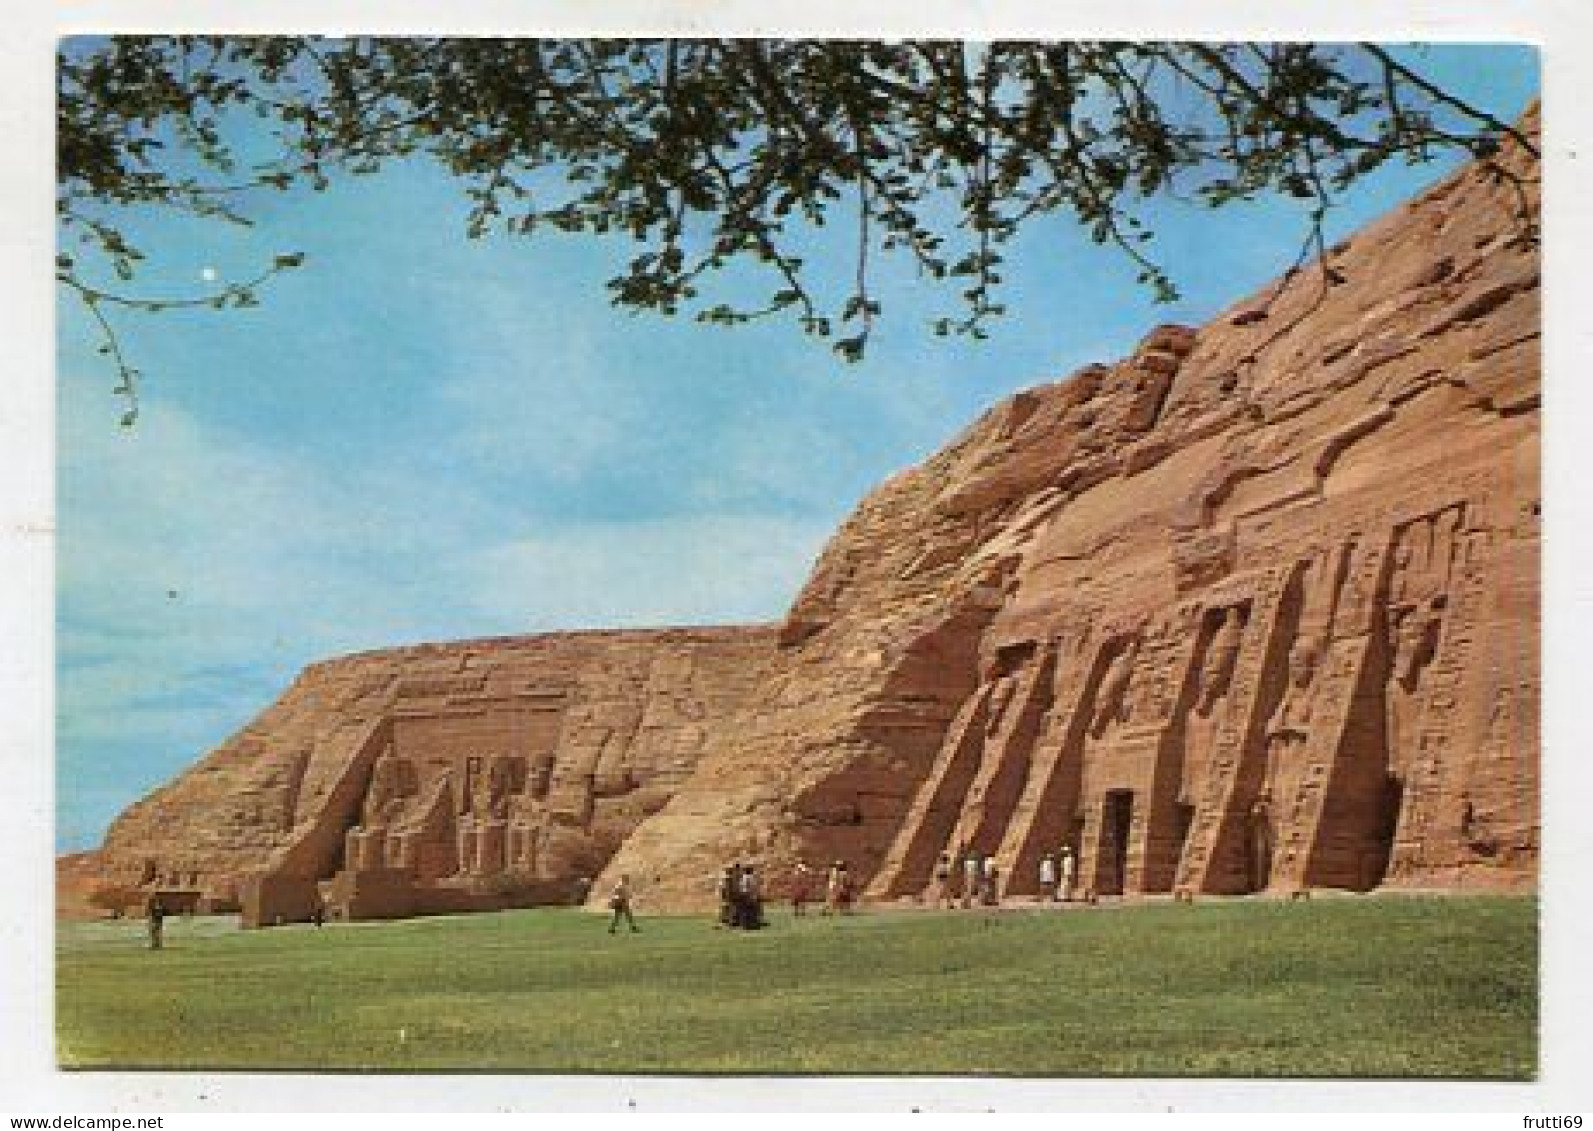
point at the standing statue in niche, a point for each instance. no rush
(1290, 723)
(1147, 692)
(1404, 568)
(1211, 692)
(1216, 673)
(1000, 700)
(1259, 841)
(1420, 579)
(1355, 596)
(1415, 641)
(1110, 699)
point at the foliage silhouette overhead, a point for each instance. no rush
(710, 153)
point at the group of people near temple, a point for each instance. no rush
(741, 898)
(970, 878)
(966, 879)
(840, 891)
(740, 890)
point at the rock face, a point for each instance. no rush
(1255, 608)
(441, 777)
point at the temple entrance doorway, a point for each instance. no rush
(1116, 820)
(1374, 862)
(1260, 838)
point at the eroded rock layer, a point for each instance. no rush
(1255, 608)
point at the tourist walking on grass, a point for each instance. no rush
(1048, 878)
(943, 896)
(157, 923)
(838, 892)
(991, 888)
(1069, 870)
(970, 877)
(801, 888)
(749, 903)
(619, 902)
(727, 895)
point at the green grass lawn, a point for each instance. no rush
(1388, 986)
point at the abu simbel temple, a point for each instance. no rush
(1253, 609)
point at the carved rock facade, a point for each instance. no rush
(1254, 609)
(464, 776)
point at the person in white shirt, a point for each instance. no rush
(992, 883)
(839, 893)
(943, 881)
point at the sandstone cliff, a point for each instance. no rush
(462, 775)
(1254, 608)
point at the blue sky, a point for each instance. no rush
(418, 436)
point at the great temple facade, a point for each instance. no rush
(1255, 609)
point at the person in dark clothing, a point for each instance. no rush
(619, 902)
(840, 892)
(739, 912)
(751, 900)
(157, 923)
(990, 883)
(727, 895)
(801, 888)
